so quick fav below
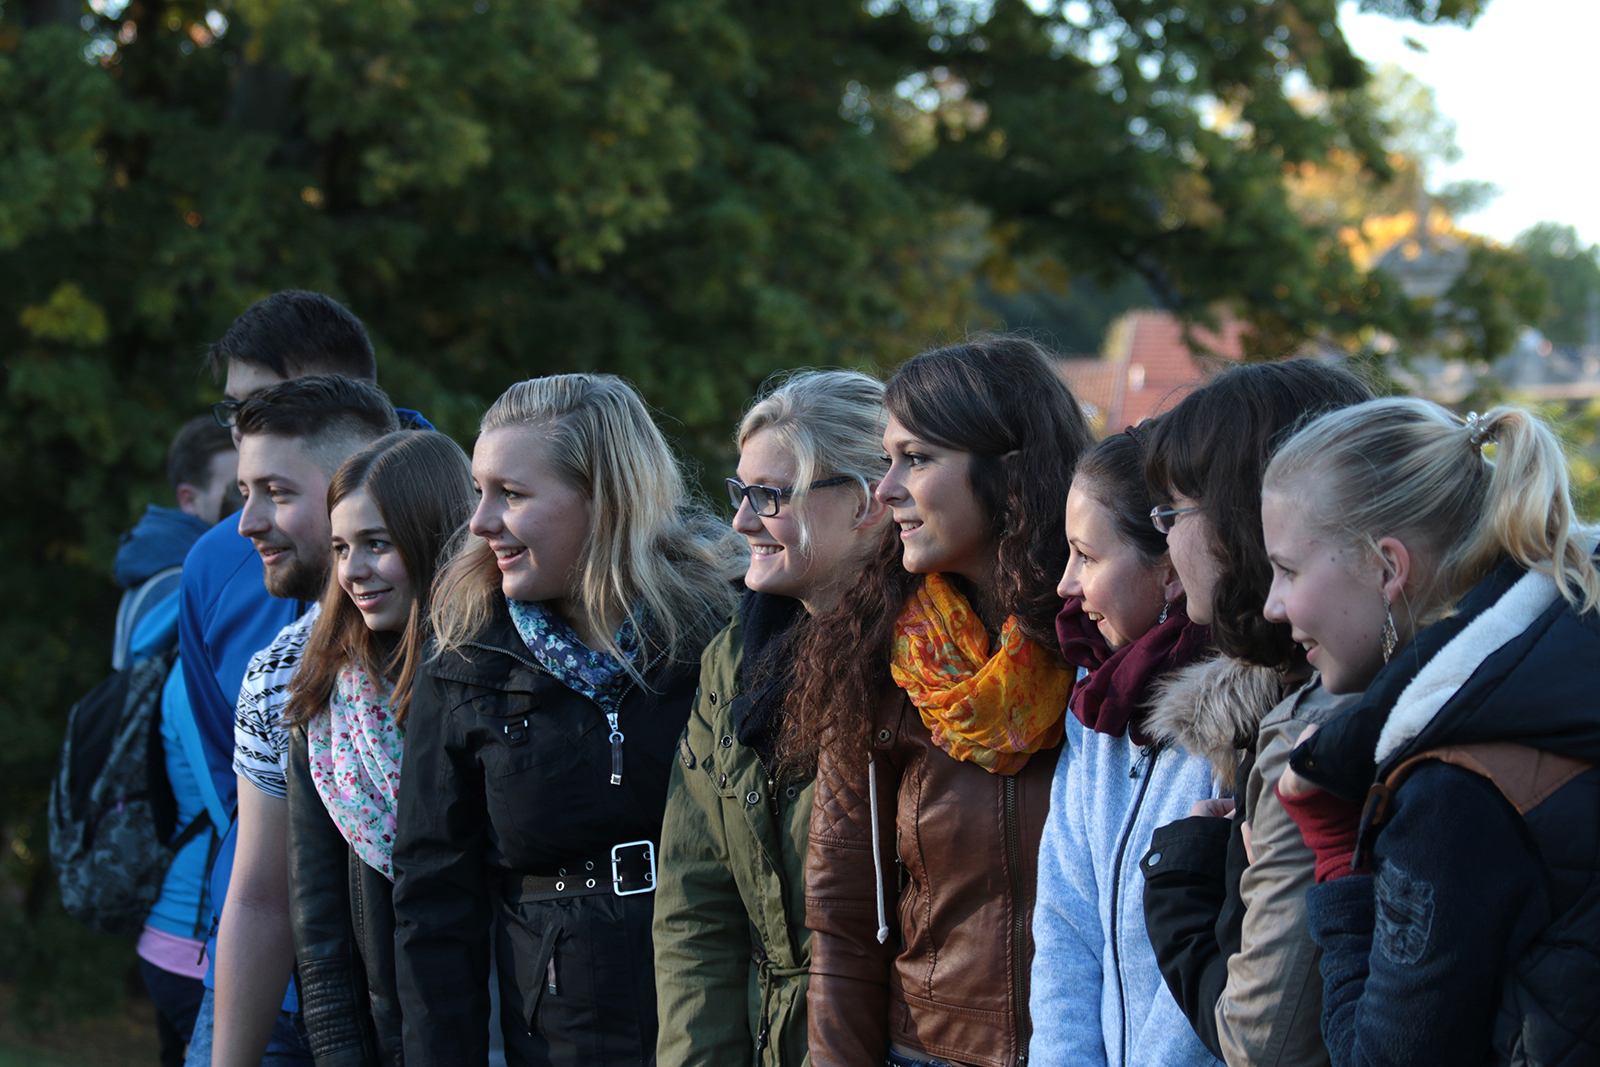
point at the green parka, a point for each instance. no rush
(732, 948)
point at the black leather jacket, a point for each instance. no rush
(343, 934)
(508, 773)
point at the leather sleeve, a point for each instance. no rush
(441, 892)
(333, 994)
(848, 998)
(1185, 891)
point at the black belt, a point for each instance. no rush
(628, 869)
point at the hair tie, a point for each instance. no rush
(1140, 438)
(1477, 430)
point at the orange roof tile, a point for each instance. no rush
(1147, 367)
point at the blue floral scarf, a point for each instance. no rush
(572, 663)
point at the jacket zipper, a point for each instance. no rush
(611, 721)
(616, 737)
(1019, 932)
(1151, 753)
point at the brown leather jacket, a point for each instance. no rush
(958, 856)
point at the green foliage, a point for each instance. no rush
(690, 193)
(1572, 274)
(1497, 293)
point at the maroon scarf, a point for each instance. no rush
(1118, 683)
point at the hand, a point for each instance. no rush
(1216, 808)
(1291, 784)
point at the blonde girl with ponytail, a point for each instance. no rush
(1435, 562)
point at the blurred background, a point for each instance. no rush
(695, 194)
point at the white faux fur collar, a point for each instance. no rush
(1450, 668)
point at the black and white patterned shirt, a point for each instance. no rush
(260, 740)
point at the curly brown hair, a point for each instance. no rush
(989, 397)
(1214, 448)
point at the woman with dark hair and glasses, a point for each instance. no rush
(930, 699)
(1230, 934)
(732, 948)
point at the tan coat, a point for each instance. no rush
(1270, 1011)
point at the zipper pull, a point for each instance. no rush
(616, 749)
(1145, 753)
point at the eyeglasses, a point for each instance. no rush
(1164, 519)
(226, 412)
(766, 499)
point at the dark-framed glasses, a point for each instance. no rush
(1164, 519)
(766, 499)
(226, 412)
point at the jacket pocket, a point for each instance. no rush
(1404, 914)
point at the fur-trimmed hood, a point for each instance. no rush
(1213, 709)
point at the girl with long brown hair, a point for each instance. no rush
(931, 698)
(393, 508)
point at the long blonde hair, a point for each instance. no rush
(830, 421)
(651, 549)
(1408, 468)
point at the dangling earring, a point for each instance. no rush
(1391, 637)
(1166, 606)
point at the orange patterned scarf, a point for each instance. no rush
(992, 709)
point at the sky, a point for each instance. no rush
(1521, 90)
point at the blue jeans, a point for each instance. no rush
(287, 1047)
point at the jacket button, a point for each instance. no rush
(752, 797)
(713, 698)
(791, 792)
(727, 740)
(722, 783)
(1155, 858)
(884, 737)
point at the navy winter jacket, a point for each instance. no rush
(1476, 939)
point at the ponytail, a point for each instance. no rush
(1528, 515)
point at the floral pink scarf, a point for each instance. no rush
(355, 749)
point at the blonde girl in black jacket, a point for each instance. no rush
(570, 626)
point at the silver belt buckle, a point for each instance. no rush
(650, 875)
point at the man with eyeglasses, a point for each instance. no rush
(226, 612)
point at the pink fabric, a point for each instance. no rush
(177, 955)
(355, 749)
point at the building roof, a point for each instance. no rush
(1148, 367)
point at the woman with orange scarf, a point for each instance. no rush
(930, 700)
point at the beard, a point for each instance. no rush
(299, 579)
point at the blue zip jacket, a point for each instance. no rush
(1097, 995)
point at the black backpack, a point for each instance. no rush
(112, 812)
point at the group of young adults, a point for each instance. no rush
(1262, 732)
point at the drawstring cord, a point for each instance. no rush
(877, 852)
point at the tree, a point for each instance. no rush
(1572, 273)
(692, 193)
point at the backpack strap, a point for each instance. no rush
(1525, 776)
(132, 608)
(181, 714)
